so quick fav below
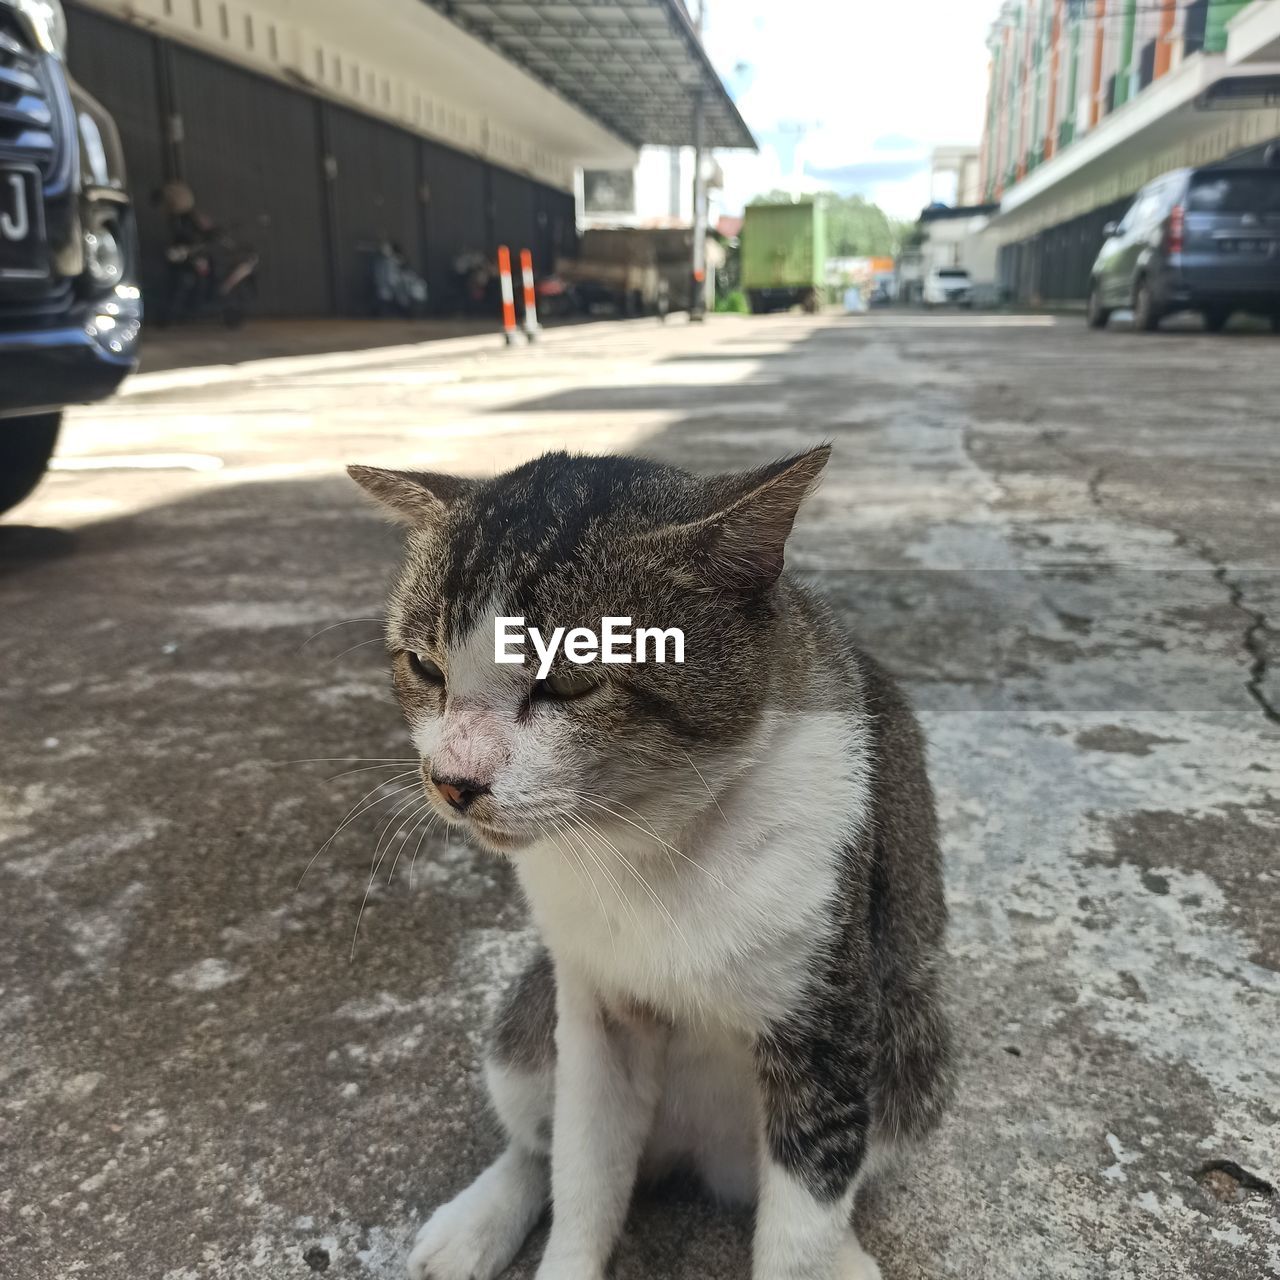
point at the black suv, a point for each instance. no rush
(70, 306)
(1204, 240)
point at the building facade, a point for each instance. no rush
(317, 129)
(1091, 99)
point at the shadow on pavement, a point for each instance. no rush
(23, 545)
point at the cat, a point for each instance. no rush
(732, 863)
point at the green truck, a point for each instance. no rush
(784, 255)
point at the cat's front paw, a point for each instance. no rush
(459, 1242)
(856, 1263)
(555, 1271)
(559, 1264)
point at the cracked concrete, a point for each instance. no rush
(1064, 542)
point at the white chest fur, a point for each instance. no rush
(718, 924)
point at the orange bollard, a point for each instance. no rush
(531, 325)
(508, 297)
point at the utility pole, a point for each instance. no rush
(698, 298)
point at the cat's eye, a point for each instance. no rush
(564, 686)
(426, 670)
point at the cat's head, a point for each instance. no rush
(566, 542)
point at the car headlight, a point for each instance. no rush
(49, 23)
(104, 257)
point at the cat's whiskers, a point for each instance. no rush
(413, 862)
(353, 648)
(362, 806)
(368, 768)
(652, 829)
(378, 857)
(431, 818)
(703, 780)
(651, 834)
(333, 626)
(414, 803)
(630, 866)
(347, 760)
(580, 869)
(572, 833)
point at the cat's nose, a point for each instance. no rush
(460, 793)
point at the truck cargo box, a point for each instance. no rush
(784, 255)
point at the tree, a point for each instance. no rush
(856, 228)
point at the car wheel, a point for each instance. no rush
(26, 445)
(1216, 321)
(1097, 314)
(1146, 319)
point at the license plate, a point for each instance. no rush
(1256, 247)
(23, 252)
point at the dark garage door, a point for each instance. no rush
(251, 151)
(514, 214)
(557, 228)
(118, 66)
(375, 197)
(457, 221)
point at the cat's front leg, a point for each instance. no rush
(606, 1092)
(815, 1096)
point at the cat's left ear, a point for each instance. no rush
(417, 498)
(746, 542)
(742, 546)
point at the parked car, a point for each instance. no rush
(70, 305)
(1205, 240)
(948, 287)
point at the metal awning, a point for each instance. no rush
(634, 65)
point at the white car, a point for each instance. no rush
(948, 286)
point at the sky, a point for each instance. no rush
(850, 95)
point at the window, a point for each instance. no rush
(1149, 208)
(1235, 193)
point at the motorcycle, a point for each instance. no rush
(197, 285)
(209, 272)
(396, 288)
(475, 283)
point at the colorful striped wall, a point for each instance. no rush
(1060, 67)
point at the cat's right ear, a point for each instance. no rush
(417, 498)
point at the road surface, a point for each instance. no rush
(1064, 542)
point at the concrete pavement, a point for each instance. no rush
(1064, 542)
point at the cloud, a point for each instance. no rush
(869, 173)
(846, 93)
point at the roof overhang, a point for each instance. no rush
(637, 66)
(1253, 35)
(1154, 132)
(957, 213)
